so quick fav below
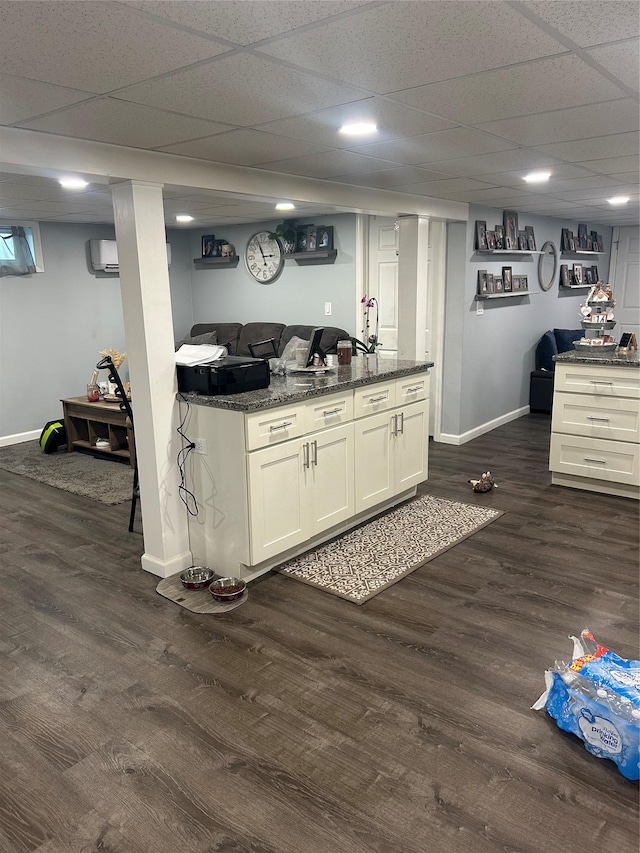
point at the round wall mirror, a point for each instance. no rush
(547, 265)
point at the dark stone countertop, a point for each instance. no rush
(295, 387)
(608, 358)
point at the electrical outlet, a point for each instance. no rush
(479, 308)
(200, 445)
(327, 309)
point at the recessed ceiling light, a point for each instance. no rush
(619, 199)
(73, 183)
(360, 128)
(184, 217)
(537, 177)
(285, 205)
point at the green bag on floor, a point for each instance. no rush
(52, 436)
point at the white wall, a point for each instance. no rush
(297, 296)
(54, 324)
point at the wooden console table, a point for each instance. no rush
(85, 422)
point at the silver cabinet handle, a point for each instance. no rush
(401, 416)
(283, 425)
(305, 455)
(592, 459)
(394, 427)
(594, 418)
(378, 399)
(314, 447)
(600, 382)
(414, 390)
(335, 411)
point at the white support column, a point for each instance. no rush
(146, 302)
(413, 254)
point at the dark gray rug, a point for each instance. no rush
(102, 480)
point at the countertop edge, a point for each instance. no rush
(607, 359)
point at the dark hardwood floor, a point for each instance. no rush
(301, 723)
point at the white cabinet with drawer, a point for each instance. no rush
(278, 481)
(595, 428)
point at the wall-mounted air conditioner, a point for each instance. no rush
(104, 255)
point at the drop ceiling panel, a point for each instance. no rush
(391, 179)
(621, 59)
(400, 45)
(444, 145)
(250, 21)
(329, 164)
(393, 120)
(124, 123)
(562, 171)
(598, 196)
(620, 145)
(573, 123)
(588, 23)
(612, 165)
(20, 98)
(509, 161)
(93, 46)
(271, 91)
(533, 87)
(441, 189)
(245, 147)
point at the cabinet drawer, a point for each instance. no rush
(330, 411)
(410, 389)
(599, 459)
(371, 399)
(601, 380)
(272, 426)
(598, 417)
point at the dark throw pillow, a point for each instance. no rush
(205, 338)
(546, 349)
(566, 337)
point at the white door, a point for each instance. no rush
(626, 283)
(375, 478)
(411, 445)
(383, 279)
(278, 516)
(329, 477)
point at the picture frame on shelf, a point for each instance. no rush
(524, 282)
(588, 276)
(482, 283)
(516, 282)
(301, 241)
(208, 245)
(312, 239)
(510, 223)
(564, 275)
(490, 284)
(498, 284)
(589, 244)
(499, 232)
(531, 240)
(481, 235)
(324, 237)
(572, 242)
(491, 240)
(578, 274)
(564, 240)
(507, 279)
(594, 240)
(582, 235)
(600, 242)
(523, 241)
(595, 274)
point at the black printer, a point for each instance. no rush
(230, 375)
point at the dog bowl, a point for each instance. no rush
(197, 577)
(227, 589)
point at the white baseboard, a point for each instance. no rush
(18, 438)
(166, 568)
(448, 438)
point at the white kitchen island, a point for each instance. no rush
(292, 465)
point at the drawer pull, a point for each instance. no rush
(401, 430)
(305, 455)
(593, 459)
(335, 411)
(378, 399)
(314, 447)
(600, 382)
(414, 390)
(594, 418)
(281, 426)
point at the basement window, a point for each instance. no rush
(20, 248)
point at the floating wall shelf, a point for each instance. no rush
(307, 259)
(515, 252)
(483, 296)
(204, 263)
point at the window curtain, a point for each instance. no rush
(15, 254)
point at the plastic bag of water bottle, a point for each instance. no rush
(597, 697)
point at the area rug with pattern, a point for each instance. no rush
(370, 558)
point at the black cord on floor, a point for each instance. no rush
(187, 497)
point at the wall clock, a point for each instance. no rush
(264, 257)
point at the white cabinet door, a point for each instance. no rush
(278, 514)
(329, 477)
(411, 445)
(374, 460)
